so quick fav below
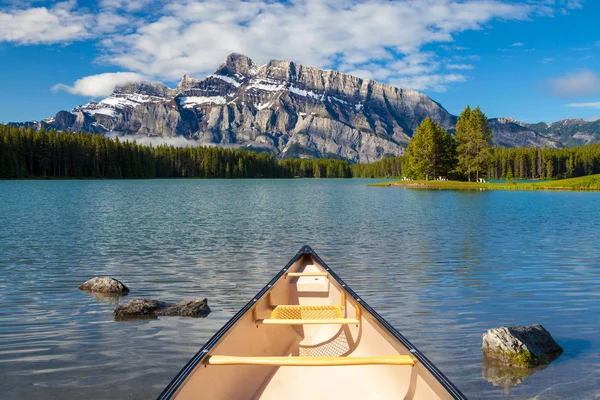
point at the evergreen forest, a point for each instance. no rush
(515, 163)
(26, 153)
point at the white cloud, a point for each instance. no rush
(127, 5)
(175, 141)
(573, 4)
(108, 21)
(459, 66)
(164, 40)
(61, 23)
(364, 36)
(418, 71)
(99, 85)
(453, 47)
(436, 82)
(584, 105)
(471, 57)
(566, 5)
(518, 44)
(573, 84)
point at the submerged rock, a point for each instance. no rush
(521, 346)
(104, 284)
(154, 308)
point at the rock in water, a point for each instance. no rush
(154, 308)
(521, 346)
(139, 308)
(104, 285)
(193, 308)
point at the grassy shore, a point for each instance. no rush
(584, 183)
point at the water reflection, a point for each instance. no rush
(108, 298)
(501, 375)
(142, 317)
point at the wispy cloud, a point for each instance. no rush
(99, 85)
(518, 44)
(459, 66)
(585, 47)
(575, 84)
(437, 82)
(570, 5)
(471, 57)
(126, 5)
(584, 105)
(175, 141)
(453, 47)
(580, 48)
(516, 49)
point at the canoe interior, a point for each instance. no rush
(369, 338)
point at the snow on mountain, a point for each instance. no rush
(287, 108)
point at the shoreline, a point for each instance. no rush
(590, 183)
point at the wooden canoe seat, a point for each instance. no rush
(300, 274)
(309, 361)
(301, 315)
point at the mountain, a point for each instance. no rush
(570, 132)
(509, 132)
(287, 108)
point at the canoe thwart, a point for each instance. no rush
(299, 274)
(309, 361)
(336, 321)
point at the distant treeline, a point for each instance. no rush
(25, 153)
(527, 163)
(517, 163)
(391, 167)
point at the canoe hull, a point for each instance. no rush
(347, 355)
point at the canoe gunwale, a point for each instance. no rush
(197, 359)
(445, 382)
(171, 389)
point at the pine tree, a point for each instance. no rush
(430, 151)
(473, 142)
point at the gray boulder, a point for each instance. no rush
(106, 285)
(521, 346)
(153, 308)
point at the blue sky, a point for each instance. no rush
(536, 60)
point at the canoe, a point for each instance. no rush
(307, 335)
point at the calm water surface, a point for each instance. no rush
(441, 266)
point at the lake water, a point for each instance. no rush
(440, 266)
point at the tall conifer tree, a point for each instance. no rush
(430, 152)
(473, 142)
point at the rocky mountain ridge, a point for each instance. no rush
(570, 132)
(287, 108)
